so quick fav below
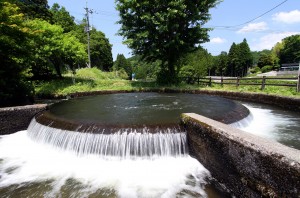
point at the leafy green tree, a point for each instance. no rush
(122, 63)
(101, 49)
(290, 53)
(144, 70)
(15, 87)
(164, 30)
(275, 53)
(221, 63)
(245, 57)
(101, 52)
(60, 16)
(233, 60)
(239, 59)
(53, 49)
(255, 56)
(35, 9)
(199, 63)
(266, 58)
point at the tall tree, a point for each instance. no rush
(60, 16)
(35, 9)
(101, 53)
(53, 49)
(246, 59)
(122, 63)
(142, 69)
(164, 30)
(239, 59)
(232, 60)
(197, 64)
(290, 53)
(221, 63)
(266, 58)
(101, 49)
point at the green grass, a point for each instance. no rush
(86, 80)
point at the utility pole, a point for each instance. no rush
(87, 29)
(298, 82)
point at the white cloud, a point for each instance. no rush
(287, 17)
(268, 41)
(217, 40)
(254, 27)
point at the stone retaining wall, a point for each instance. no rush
(248, 165)
(13, 119)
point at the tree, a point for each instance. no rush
(122, 63)
(35, 9)
(266, 58)
(290, 53)
(101, 55)
(15, 86)
(221, 63)
(60, 16)
(232, 60)
(101, 49)
(239, 59)
(164, 30)
(144, 70)
(246, 58)
(53, 49)
(197, 64)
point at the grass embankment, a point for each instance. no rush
(86, 80)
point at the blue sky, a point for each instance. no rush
(229, 20)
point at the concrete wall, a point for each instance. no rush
(13, 119)
(248, 165)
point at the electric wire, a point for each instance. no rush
(251, 20)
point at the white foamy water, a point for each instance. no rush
(124, 144)
(30, 168)
(276, 124)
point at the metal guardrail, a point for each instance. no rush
(242, 81)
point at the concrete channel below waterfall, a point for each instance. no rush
(242, 162)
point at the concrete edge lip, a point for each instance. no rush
(250, 140)
(247, 165)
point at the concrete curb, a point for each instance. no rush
(13, 119)
(248, 165)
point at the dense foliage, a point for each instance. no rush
(290, 52)
(164, 30)
(41, 43)
(13, 56)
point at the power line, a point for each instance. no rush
(251, 20)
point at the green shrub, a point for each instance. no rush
(266, 68)
(94, 74)
(122, 74)
(255, 70)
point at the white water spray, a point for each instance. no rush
(48, 167)
(274, 124)
(124, 144)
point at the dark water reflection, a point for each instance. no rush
(144, 108)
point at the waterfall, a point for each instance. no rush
(124, 144)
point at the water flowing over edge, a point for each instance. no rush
(34, 169)
(124, 144)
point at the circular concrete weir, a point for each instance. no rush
(109, 113)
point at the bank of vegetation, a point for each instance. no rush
(43, 51)
(88, 80)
